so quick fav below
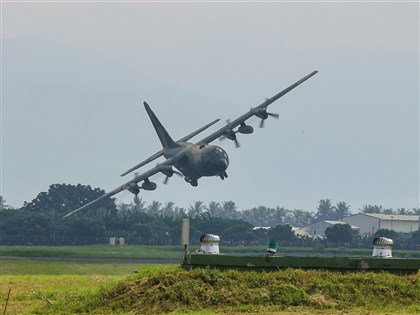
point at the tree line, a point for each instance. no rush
(40, 221)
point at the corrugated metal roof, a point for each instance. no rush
(335, 222)
(393, 217)
(341, 222)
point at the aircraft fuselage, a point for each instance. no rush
(200, 160)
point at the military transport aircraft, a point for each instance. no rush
(193, 160)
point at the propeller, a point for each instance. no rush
(263, 114)
(135, 189)
(166, 179)
(234, 139)
(230, 134)
(169, 171)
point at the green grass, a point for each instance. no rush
(171, 290)
(28, 291)
(96, 251)
(33, 282)
(172, 253)
(38, 267)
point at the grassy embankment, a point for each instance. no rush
(111, 288)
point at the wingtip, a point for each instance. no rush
(67, 215)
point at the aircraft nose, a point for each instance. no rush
(221, 164)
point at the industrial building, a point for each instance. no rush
(318, 229)
(369, 223)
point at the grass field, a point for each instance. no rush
(173, 253)
(96, 251)
(35, 284)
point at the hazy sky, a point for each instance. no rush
(75, 76)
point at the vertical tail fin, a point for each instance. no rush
(164, 136)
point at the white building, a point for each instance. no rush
(318, 229)
(369, 223)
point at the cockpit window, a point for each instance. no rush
(221, 152)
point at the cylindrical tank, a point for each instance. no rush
(210, 243)
(382, 247)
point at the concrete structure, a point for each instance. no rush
(318, 229)
(369, 223)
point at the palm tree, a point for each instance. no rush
(404, 211)
(342, 210)
(388, 211)
(372, 209)
(325, 210)
(214, 209)
(281, 214)
(196, 209)
(154, 207)
(169, 209)
(229, 210)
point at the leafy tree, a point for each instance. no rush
(300, 218)
(416, 236)
(63, 198)
(239, 232)
(387, 233)
(282, 233)
(87, 229)
(339, 233)
(11, 222)
(229, 210)
(138, 233)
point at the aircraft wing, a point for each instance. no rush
(256, 111)
(158, 168)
